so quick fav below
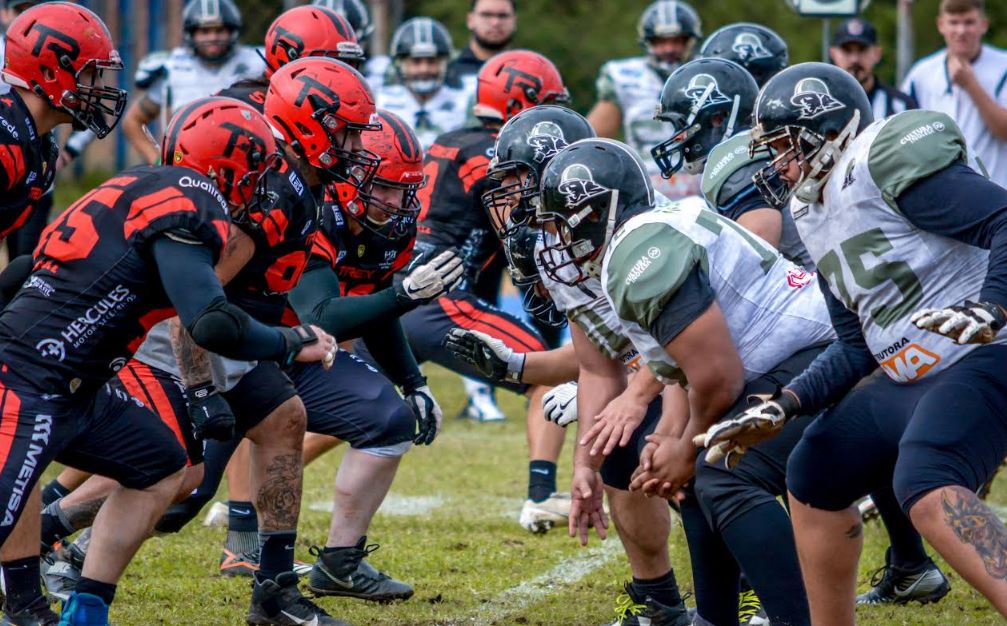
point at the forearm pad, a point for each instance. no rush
(227, 330)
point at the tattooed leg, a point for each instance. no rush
(969, 536)
(277, 466)
(828, 545)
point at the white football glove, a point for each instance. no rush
(972, 322)
(428, 415)
(434, 278)
(733, 437)
(491, 356)
(560, 404)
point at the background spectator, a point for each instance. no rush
(855, 49)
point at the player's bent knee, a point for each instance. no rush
(285, 426)
(192, 477)
(812, 484)
(724, 494)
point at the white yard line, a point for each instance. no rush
(394, 504)
(567, 572)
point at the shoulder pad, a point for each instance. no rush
(151, 68)
(724, 159)
(911, 146)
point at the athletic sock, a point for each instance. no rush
(907, 551)
(105, 591)
(663, 589)
(242, 527)
(54, 524)
(53, 491)
(21, 584)
(276, 553)
(541, 480)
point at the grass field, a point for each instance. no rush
(450, 529)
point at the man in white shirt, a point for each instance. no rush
(968, 81)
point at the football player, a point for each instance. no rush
(754, 47)
(727, 170)
(525, 145)
(210, 60)
(629, 88)
(705, 301)
(355, 12)
(420, 49)
(452, 217)
(925, 310)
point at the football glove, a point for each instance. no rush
(489, 355)
(733, 437)
(209, 413)
(432, 279)
(560, 404)
(428, 414)
(972, 322)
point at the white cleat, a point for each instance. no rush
(539, 517)
(482, 406)
(216, 516)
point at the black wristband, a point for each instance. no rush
(294, 339)
(200, 392)
(413, 383)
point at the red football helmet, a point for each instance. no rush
(401, 169)
(229, 142)
(60, 51)
(321, 106)
(311, 31)
(515, 80)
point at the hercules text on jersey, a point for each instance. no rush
(27, 163)
(773, 308)
(881, 266)
(446, 111)
(635, 87)
(184, 77)
(95, 290)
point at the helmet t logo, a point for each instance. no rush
(529, 83)
(64, 46)
(255, 148)
(293, 44)
(310, 84)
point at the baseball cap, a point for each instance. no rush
(855, 30)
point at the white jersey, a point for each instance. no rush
(635, 87)
(187, 78)
(156, 351)
(376, 70)
(876, 262)
(929, 84)
(773, 308)
(444, 112)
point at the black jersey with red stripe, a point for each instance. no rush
(27, 163)
(251, 91)
(365, 262)
(283, 230)
(95, 289)
(452, 213)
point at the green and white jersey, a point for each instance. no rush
(585, 306)
(772, 307)
(728, 176)
(881, 266)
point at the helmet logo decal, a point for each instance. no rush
(812, 97)
(64, 45)
(530, 84)
(547, 139)
(577, 186)
(749, 47)
(253, 147)
(293, 43)
(697, 90)
(310, 84)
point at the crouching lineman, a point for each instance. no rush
(703, 301)
(525, 145)
(912, 242)
(704, 139)
(131, 251)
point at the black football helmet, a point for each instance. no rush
(207, 13)
(422, 38)
(524, 145)
(668, 18)
(705, 101)
(587, 189)
(752, 46)
(816, 109)
(519, 249)
(356, 14)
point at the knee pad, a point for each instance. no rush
(393, 433)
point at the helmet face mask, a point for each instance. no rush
(520, 250)
(668, 30)
(388, 218)
(204, 15)
(511, 205)
(421, 48)
(573, 254)
(423, 75)
(94, 105)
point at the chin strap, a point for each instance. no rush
(823, 162)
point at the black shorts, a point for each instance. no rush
(163, 394)
(427, 326)
(259, 392)
(947, 429)
(617, 470)
(354, 402)
(108, 433)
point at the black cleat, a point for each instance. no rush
(62, 572)
(894, 585)
(279, 603)
(37, 613)
(632, 610)
(345, 572)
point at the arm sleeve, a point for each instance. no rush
(840, 366)
(187, 274)
(690, 301)
(390, 348)
(748, 200)
(959, 203)
(316, 300)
